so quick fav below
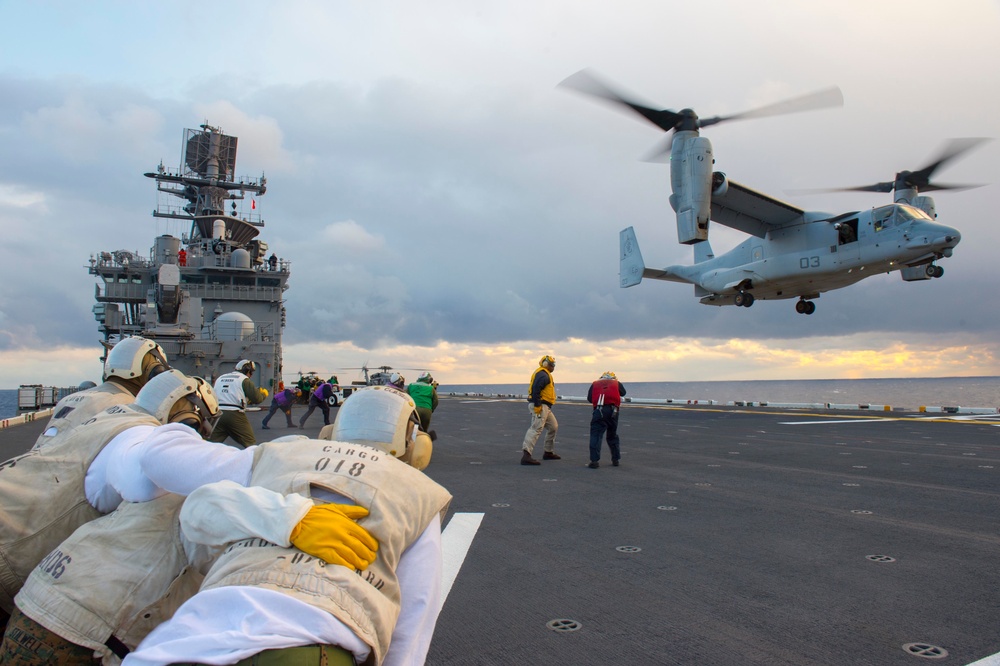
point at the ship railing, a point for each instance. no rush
(234, 330)
(228, 292)
(116, 291)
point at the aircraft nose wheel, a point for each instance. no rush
(743, 299)
(805, 307)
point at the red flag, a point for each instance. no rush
(253, 204)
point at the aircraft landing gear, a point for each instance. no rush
(934, 271)
(805, 307)
(743, 299)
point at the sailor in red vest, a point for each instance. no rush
(606, 396)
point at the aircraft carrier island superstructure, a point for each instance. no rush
(214, 295)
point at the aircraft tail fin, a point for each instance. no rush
(631, 265)
(703, 252)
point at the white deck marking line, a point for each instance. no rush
(455, 542)
(992, 660)
(845, 421)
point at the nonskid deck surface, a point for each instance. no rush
(727, 536)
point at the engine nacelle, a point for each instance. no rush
(926, 204)
(691, 180)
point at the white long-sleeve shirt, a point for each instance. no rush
(223, 625)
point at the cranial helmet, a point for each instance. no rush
(397, 380)
(609, 375)
(246, 367)
(547, 362)
(135, 358)
(386, 419)
(173, 397)
(425, 378)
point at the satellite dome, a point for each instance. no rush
(240, 258)
(233, 326)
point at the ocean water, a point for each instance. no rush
(904, 393)
(901, 393)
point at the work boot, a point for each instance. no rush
(614, 463)
(594, 464)
(551, 455)
(526, 459)
(264, 428)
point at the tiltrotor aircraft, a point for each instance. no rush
(792, 253)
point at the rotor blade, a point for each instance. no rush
(587, 83)
(954, 148)
(822, 99)
(953, 187)
(660, 153)
(877, 187)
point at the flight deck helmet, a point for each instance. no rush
(609, 375)
(135, 359)
(173, 397)
(247, 367)
(548, 362)
(385, 419)
(425, 378)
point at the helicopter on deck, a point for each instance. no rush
(791, 252)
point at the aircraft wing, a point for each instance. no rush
(752, 212)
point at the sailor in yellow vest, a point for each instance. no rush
(69, 480)
(236, 391)
(127, 367)
(264, 601)
(541, 396)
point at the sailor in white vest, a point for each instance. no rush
(262, 600)
(102, 590)
(127, 367)
(69, 480)
(236, 391)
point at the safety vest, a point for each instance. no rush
(42, 494)
(78, 407)
(151, 576)
(605, 392)
(285, 398)
(548, 394)
(401, 502)
(422, 394)
(229, 390)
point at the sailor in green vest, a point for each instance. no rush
(541, 395)
(425, 395)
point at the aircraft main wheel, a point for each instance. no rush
(810, 307)
(748, 300)
(800, 307)
(938, 271)
(740, 299)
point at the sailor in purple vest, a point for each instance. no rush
(282, 400)
(606, 396)
(319, 397)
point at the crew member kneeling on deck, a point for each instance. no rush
(541, 395)
(235, 391)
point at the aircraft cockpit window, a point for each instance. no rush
(882, 217)
(907, 213)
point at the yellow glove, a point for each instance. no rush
(264, 391)
(538, 410)
(331, 533)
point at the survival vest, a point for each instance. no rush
(548, 394)
(605, 392)
(229, 389)
(42, 493)
(401, 502)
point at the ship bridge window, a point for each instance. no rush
(218, 279)
(192, 279)
(244, 282)
(269, 282)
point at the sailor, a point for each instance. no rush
(319, 397)
(425, 395)
(268, 600)
(102, 590)
(541, 395)
(282, 400)
(127, 367)
(606, 397)
(53, 489)
(235, 391)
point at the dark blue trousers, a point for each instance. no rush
(605, 418)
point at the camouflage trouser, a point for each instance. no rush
(310, 655)
(234, 424)
(27, 643)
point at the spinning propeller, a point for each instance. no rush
(920, 180)
(587, 83)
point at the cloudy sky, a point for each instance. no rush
(445, 205)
